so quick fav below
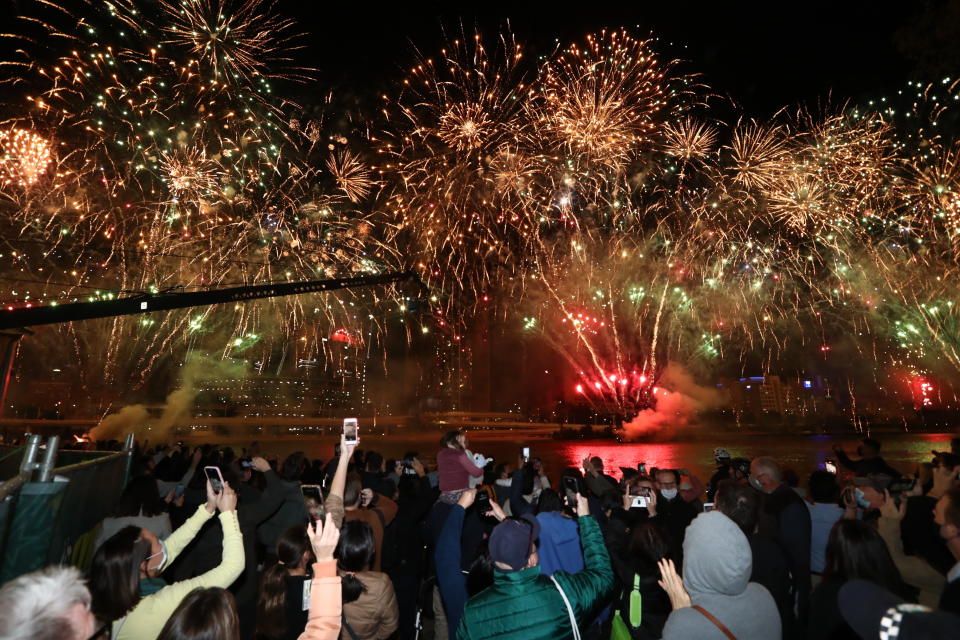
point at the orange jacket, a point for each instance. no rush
(323, 622)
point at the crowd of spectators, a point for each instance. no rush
(208, 544)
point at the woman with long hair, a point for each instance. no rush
(122, 578)
(369, 602)
(281, 607)
(854, 550)
(455, 466)
(205, 614)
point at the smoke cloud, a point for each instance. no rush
(177, 407)
(679, 400)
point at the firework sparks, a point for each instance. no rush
(351, 174)
(25, 157)
(690, 139)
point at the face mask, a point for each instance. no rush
(163, 556)
(755, 483)
(861, 500)
(669, 494)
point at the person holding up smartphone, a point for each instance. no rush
(119, 600)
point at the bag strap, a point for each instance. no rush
(346, 625)
(573, 618)
(709, 616)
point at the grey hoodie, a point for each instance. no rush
(716, 572)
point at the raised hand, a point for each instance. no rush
(672, 583)
(227, 500)
(325, 540)
(466, 498)
(583, 505)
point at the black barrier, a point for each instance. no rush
(54, 522)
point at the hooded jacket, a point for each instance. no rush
(559, 544)
(716, 574)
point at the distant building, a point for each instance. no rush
(760, 396)
(318, 395)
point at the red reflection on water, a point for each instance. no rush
(664, 455)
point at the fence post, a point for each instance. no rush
(28, 464)
(128, 446)
(49, 460)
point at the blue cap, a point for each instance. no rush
(512, 542)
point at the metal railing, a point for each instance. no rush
(48, 514)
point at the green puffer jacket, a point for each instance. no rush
(527, 606)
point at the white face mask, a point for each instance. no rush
(163, 557)
(669, 494)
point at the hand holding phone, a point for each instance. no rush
(830, 466)
(570, 489)
(215, 478)
(351, 431)
(312, 491)
(482, 502)
(639, 502)
(526, 454)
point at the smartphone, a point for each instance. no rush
(351, 430)
(526, 454)
(639, 501)
(707, 506)
(642, 468)
(179, 491)
(830, 466)
(571, 488)
(901, 485)
(482, 502)
(215, 477)
(312, 491)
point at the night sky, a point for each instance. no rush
(757, 54)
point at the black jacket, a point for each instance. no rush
(950, 599)
(785, 518)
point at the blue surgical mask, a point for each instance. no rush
(755, 483)
(669, 494)
(862, 502)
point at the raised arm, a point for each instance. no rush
(471, 468)
(914, 570)
(334, 501)
(271, 499)
(518, 505)
(231, 564)
(326, 602)
(447, 556)
(185, 533)
(595, 582)
(192, 469)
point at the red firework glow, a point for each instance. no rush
(615, 388)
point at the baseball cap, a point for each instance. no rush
(512, 541)
(879, 481)
(874, 612)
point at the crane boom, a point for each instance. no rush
(147, 303)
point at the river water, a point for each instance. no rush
(803, 454)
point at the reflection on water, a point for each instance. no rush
(801, 453)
